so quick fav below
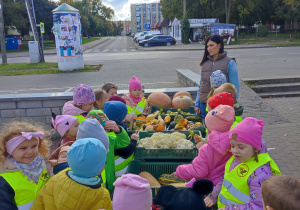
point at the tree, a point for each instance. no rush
(185, 30)
(43, 10)
(228, 9)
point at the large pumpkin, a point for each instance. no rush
(160, 100)
(182, 102)
(182, 93)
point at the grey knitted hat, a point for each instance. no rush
(91, 128)
(217, 78)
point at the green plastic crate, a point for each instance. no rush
(161, 154)
(191, 110)
(156, 169)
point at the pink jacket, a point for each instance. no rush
(211, 160)
(70, 109)
(130, 102)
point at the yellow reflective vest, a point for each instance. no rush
(25, 190)
(121, 165)
(138, 109)
(235, 189)
(80, 118)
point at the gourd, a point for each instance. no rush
(160, 120)
(182, 93)
(152, 116)
(149, 128)
(159, 127)
(160, 100)
(166, 179)
(152, 181)
(182, 102)
(139, 122)
(167, 119)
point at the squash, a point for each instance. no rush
(172, 125)
(152, 181)
(182, 102)
(152, 116)
(149, 128)
(139, 122)
(181, 185)
(167, 119)
(185, 122)
(182, 93)
(159, 127)
(160, 100)
(160, 120)
(166, 179)
(197, 124)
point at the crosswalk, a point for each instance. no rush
(109, 50)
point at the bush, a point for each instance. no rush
(185, 30)
(262, 31)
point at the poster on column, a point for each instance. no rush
(67, 34)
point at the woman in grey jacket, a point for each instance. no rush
(214, 58)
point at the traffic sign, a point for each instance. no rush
(42, 27)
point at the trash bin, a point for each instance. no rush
(34, 52)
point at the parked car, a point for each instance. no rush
(158, 41)
(144, 33)
(149, 36)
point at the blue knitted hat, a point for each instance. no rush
(217, 78)
(86, 157)
(115, 110)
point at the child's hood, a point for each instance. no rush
(8, 166)
(129, 100)
(70, 109)
(219, 142)
(60, 154)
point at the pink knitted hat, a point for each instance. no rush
(132, 192)
(134, 83)
(220, 119)
(248, 131)
(62, 123)
(83, 94)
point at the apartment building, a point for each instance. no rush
(143, 15)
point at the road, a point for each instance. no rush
(156, 69)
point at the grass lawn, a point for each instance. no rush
(50, 44)
(14, 69)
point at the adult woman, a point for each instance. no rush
(214, 58)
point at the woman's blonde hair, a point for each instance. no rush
(13, 129)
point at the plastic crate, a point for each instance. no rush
(156, 169)
(161, 154)
(191, 110)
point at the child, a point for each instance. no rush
(221, 98)
(212, 156)
(281, 192)
(78, 187)
(101, 98)
(110, 88)
(246, 170)
(22, 169)
(217, 78)
(170, 198)
(136, 105)
(66, 126)
(83, 100)
(118, 138)
(132, 192)
(116, 111)
(228, 88)
(117, 98)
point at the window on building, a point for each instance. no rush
(137, 7)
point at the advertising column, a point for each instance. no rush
(68, 38)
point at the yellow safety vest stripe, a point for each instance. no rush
(103, 177)
(235, 189)
(138, 109)
(121, 164)
(25, 191)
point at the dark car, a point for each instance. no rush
(158, 41)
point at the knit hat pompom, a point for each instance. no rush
(134, 83)
(83, 94)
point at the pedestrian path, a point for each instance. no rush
(109, 50)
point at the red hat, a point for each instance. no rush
(117, 98)
(223, 98)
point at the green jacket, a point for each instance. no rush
(116, 141)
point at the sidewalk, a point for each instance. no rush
(53, 51)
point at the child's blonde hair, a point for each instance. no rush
(108, 85)
(98, 95)
(281, 192)
(13, 129)
(211, 92)
(226, 87)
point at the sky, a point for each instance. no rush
(122, 7)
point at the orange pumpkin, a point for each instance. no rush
(182, 102)
(185, 122)
(160, 100)
(182, 93)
